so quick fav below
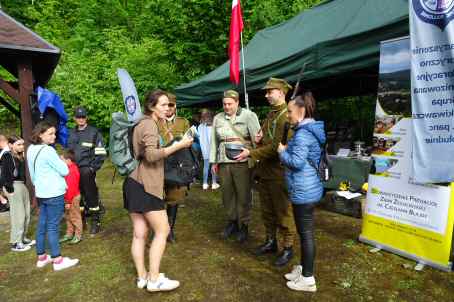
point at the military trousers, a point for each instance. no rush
(236, 191)
(276, 210)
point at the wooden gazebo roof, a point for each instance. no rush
(18, 43)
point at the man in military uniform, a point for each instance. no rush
(235, 125)
(87, 143)
(169, 129)
(275, 206)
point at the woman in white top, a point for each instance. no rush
(204, 130)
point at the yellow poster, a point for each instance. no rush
(411, 219)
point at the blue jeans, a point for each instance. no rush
(206, 172)
(50, 214)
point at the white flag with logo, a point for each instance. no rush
(130, 98)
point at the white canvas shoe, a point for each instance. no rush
(215, 186)
(162, 284)
(295, 273)
(205, 186)
(306, 284)
(65, 263)
(142, 282)
(29, 242)
(20, 247)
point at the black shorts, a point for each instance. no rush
(136, 200)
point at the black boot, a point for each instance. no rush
(269, 246)
(95, 225)
(172, 216)
(284, 257)
(230, 229)
(243, 233)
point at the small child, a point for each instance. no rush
(72, 200)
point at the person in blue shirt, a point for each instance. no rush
(47, 172)
(301, 157)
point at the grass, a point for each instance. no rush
(211, 269)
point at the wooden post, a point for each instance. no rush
(25, 90)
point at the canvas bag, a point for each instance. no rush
(120, 144)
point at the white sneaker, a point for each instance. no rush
(29, 242)
(162, 284)
(142, 282)
(43, 263)
(296, 272)
(215, 186)
(205, 186)
(65, 263)
(306, 284)
(20, 247)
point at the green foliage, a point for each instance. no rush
(161, 43)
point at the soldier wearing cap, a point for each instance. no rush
(235, 126)
(87, 143)
(170, 128)
(275, 206)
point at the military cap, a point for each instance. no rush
(231, 94)
(172, 98)
(80, 112)
(275, 83)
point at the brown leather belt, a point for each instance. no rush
(232, 139)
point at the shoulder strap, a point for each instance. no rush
(36, 157)
(273, 123)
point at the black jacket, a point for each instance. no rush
(88, 147)
(7, 172)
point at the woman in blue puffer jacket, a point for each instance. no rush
(301, 157)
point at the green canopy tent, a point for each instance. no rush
(338, 39)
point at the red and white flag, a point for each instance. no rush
(236, 27)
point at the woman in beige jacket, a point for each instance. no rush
(143, 193)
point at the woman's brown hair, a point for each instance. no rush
(39, 129)
(151, 100)
(306, 101)
(11, 140)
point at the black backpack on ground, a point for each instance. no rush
(181, 167)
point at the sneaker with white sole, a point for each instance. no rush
(29, 242)
(162, 284)
(43, 262)
(306, 284)
(205, 186)
(20, 247)
(141, 282)
(215, 186)
(296, 272)
(64, 263)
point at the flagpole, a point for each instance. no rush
(246, 97)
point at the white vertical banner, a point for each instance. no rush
(130, 98)
(432, 89)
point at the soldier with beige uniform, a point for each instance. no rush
(233, 130)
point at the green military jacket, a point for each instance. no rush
(245, 122)
(174, 128)
(268, 164)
